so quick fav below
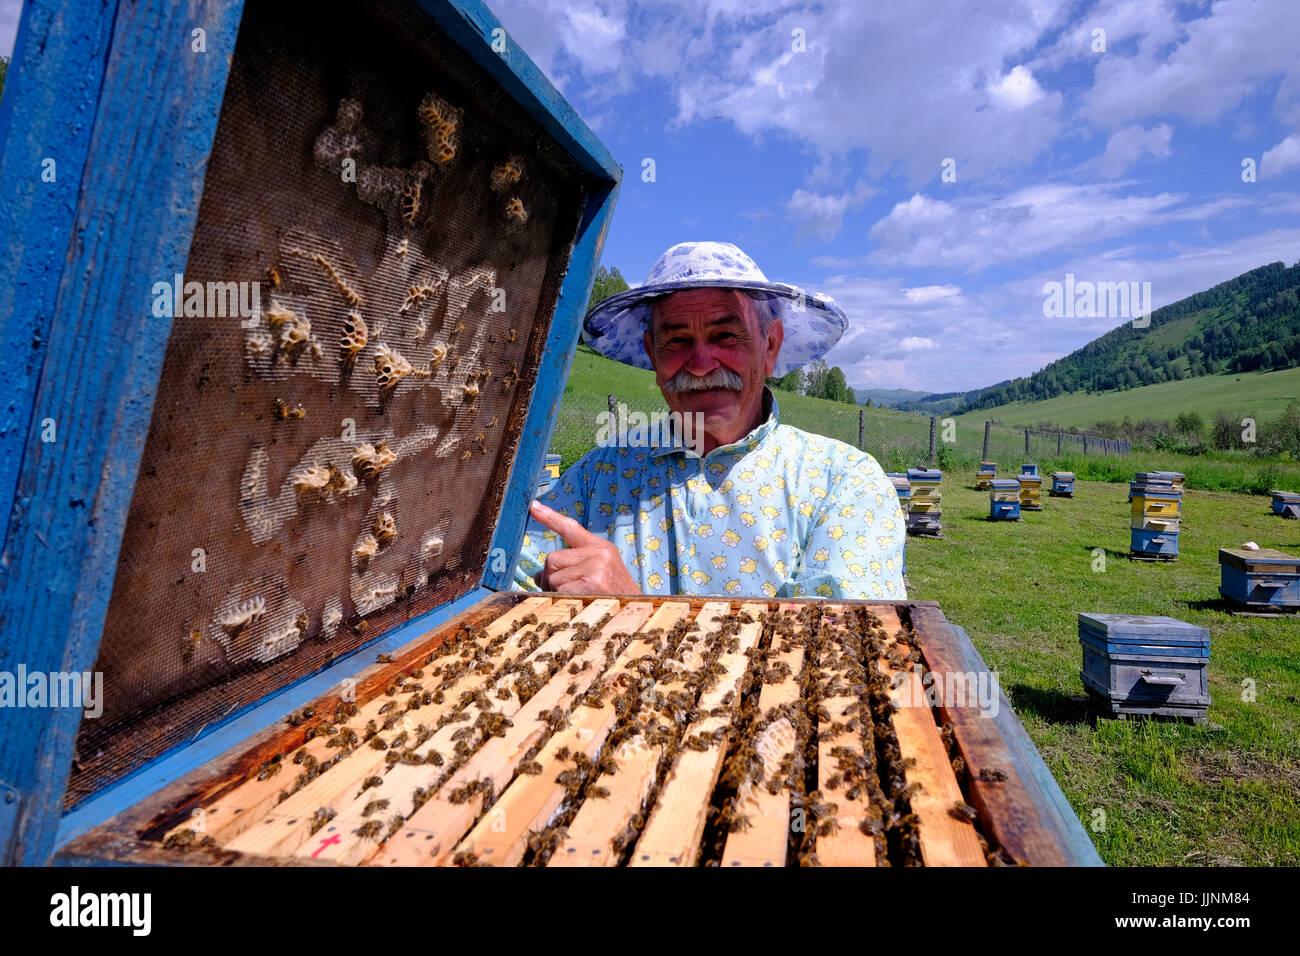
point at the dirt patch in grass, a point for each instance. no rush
(1212, 768)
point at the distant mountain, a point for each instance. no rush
(1246, 324)
(889, 397)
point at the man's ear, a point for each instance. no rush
(775, 336)
(649, 351)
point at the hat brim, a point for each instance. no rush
(813, 322)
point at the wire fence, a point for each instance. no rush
(898, 440)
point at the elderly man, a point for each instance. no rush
(755, 507)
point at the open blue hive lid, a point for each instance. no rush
(1142, 629)
(411, 219)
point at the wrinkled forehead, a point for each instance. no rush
(689, 306)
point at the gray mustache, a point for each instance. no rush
(684, 381)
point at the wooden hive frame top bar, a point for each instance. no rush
(605, 731)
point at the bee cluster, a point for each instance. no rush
(581, 709)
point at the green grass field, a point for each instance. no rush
(1257, 395)
(1171, 794)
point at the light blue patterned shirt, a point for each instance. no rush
(779, 513)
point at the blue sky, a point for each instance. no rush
(825, 164)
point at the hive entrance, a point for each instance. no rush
(607, 732)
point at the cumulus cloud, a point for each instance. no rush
(1131, 145)
(1281, 157)
(983, 231)
(822, 217)
(928, 293)
(1016, 90)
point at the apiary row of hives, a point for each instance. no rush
(599, 732)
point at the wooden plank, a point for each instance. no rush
(765, 839)
(339, 840)
(944, 840)
(589, 839)
(102, 353)
(531, 801)
(1026, 813)
(846, 844)
(435, 828)
(673, 832)
(288, 826)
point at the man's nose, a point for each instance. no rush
(701, 361)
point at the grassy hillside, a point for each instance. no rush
(1257, 395)
(887, 396)
(1246, 324)
(1223, 794)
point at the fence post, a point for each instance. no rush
(611, 408)
(1085, 443)
(1058, 441)
(930, 460)
(1026, 442)
(862, 422)
(984, 455)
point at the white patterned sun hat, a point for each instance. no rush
(813, 322)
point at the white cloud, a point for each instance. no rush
(1216, 61)
(822, 217)
(1281, 157)
(928, 293)
(1130, 145)
(1016, 90)
(916, 343)
(980, 232)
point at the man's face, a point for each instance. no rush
(711, 337)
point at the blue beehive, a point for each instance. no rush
(1062, 484)
(1286, 504)
(1029, 468)
(1134, 664)
(986, 471)
(549, 474)
(1264, 580)
(344, 193)
(924, 515)
(1004, 499)
(1155, 516)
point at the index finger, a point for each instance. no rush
(573, 533)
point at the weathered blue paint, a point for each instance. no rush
(132, 223)
(51, 91)
(549, 390)
(470, 24)
(255, 718)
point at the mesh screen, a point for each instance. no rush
(332, 462)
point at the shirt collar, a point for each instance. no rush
(739, 448)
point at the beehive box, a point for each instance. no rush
(1029, 468)
(1031, 487)
(1139, 665)
(1062, 484)
(1286, 503)
(304, 355)
(1264, 580)
(549, 474)
(1004, 499)
(987, 471)
(1155, 509)
(665, 732)
(246, 516)
(925, 507)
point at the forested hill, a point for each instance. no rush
(1247, 323)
